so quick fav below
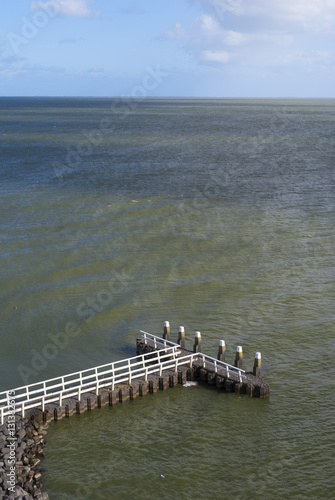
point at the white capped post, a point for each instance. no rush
(239, 356)
(181, 337)
(257, 364)
(166, 333)
(222, 351)
(197, 342)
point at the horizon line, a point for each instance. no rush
(157, 97)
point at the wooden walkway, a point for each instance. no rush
(26, 411)
(230, 378)
(159, 364)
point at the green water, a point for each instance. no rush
(215, 215)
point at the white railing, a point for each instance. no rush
(158, 341)
(215, 364)
(74, 385)
(220, 367)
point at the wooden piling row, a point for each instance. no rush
(108, 397)
(252, 383)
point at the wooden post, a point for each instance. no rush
(239, 357)
(197, 342)
(166, 334)
(181, 337)
(257, 364)
(222, 351)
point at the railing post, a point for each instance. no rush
(60, 398)
(23, 410)
(79, 393)
(129, 370)
(2, 417)
(43, 405)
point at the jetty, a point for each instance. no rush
(160, 363)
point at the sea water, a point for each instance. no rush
(217, 215)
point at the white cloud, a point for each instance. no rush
(13, 66)
(179, 33)
(74, 8)
(220, 57)
(309, 61)
(207, 40)
(262, 34)
(316, 15)
(234, 38)
(96, 71)
(221, 8)
(206, 30)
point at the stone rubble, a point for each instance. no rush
(21, 452)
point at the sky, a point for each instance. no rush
(176, 48)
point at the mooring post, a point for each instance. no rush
(239, 357)
(166, 334)
(181, 337)
(197, 342)
(222, 351)
(257, 364)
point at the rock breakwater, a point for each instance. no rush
(22, 442)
